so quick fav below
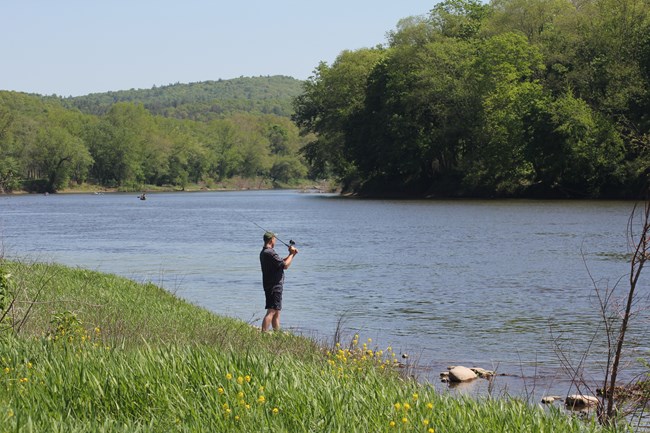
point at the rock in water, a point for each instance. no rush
(461, 374)
(578, 401)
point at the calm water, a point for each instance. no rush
(477, 283)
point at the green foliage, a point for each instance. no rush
(9, 175)
(47, 147)
(202, 101)
(329, 99)
(459, 18)
(66, 326)
(511, 98)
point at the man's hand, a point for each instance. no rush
(293, 250)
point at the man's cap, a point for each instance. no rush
(268, 236)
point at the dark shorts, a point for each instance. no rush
(273, 300)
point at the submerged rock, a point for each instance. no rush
(482, 373)
(550, 399)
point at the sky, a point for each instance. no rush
(77, 47)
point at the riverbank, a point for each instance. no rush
(234, 184)
(97, 352)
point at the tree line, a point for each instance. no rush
(543, 98)
(46, 144)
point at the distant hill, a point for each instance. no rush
(203, 100)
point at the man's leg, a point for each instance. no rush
(276, 320)
(268, 319)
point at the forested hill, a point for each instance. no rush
(202, 101)
(214, 134)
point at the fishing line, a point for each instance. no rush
(291, 241)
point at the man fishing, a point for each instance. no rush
(273, 267)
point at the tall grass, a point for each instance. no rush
(100, 353)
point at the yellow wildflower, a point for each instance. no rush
(275, 411)
(392, 423)
(415, 397)
(398, 406)
(228, 376)
(220, 391)
(261, 399)
(247, 379)
(405, 420)
(429, 405)
(431, 430)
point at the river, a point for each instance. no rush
(467, 282)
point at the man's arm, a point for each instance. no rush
(287, 260)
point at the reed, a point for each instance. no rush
(99, 353)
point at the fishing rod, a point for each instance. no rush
(291, 241)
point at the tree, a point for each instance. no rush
(504, 71)
(117, 145)
(57, 154)
(9, 166)
(533, 18)
(418, 115)
(461, 19)
(330, 98)
(9, 174)
(286, 169)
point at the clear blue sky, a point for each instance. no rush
(76, 47)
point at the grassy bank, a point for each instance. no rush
(99, 353)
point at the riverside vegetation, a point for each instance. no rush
(506, 98)
(83, 351)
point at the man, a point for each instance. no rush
(273, 280)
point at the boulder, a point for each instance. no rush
(550, 399)
(579, 401)
(461, 374)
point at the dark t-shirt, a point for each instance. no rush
(272, 270)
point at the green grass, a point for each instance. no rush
(99, 353)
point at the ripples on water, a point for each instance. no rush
(485, 283)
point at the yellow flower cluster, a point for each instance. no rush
(354, 358)
(412, 413)
(16, 373)
(68, 328)
(240, 398)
